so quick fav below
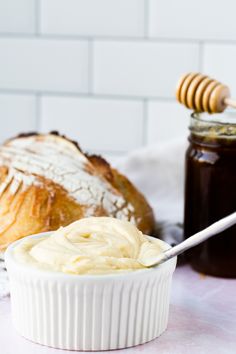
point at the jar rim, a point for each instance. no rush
(225, 118)
(213, 125)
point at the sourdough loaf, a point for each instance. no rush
(46, 181)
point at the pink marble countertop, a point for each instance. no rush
(202, 320)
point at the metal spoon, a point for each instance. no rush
(192, 241)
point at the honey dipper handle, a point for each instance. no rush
(229, 102)
(192, 241)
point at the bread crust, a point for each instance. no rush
(45, 205)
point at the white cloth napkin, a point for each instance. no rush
(158, 171)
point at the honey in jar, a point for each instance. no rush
(210, 191)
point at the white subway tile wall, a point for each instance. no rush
(17, 16)
(220, 61)
(98, 124)
(193, 19)
(104, 71)
(44, 65)
(93, 17)
(17, 114)
(141, 68)
(166, 120)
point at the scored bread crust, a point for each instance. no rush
(45, 180)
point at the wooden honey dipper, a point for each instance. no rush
(203, 94)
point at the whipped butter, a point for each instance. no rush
(95, 245)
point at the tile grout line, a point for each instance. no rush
(61, 36)
(38, 113)
(146, 18)
(90, 67)
(147, 39)
(37, 14)
(85, 95)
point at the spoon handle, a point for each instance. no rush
(197, 238)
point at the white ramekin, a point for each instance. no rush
(89, 312)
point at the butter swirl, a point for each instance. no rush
(95, 245)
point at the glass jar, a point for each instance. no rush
(210, 191)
